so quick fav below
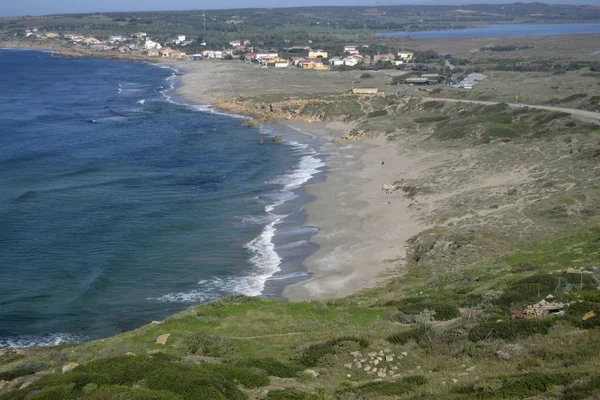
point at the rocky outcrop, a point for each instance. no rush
(277, 139)
(162, 339)
(283, 110)
(69, 367)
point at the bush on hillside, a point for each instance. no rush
(377, 113)
(310, 357)
(205, 381)
(382, 388)
(406, 336)
(510, 330)
(28, 369)
(433, 118)
(518, 386)
(290, 394)
(270, 366)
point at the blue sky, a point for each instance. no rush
(43, 7)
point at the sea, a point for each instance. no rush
(121, 203)
(503, 30)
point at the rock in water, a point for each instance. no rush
(261, 141)
(162, 339)
(277, 139)
(69, 367)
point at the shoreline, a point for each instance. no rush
(361, 230)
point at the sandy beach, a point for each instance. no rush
(362, 230)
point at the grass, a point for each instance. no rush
(509, 330)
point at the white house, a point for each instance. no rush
(261, 57)
(351, 50)
(150, 44)
(235, 43)
(351, 61)
(317, 53)
(116, 38)
(212, 54)
(180, 39)
(336, 61)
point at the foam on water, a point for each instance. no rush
(50, 339)
(263, 254)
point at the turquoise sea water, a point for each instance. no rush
(120, 204)
(504, 30)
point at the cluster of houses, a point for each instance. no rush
(141, 43)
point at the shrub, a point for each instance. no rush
(270, 366)
(519, 386)
(434, 118)
(406, 336)
(366, 75)
(501, 130)
(9, 358)
(531, 289)
(584, 390)
(444, 311)
(576, 312)
(381, 388)
(210, 346)
(205, 381)
(568, 200)
(290, 394)
(377, 113)
(311, 356)
(124, 392)
(509, 330)
(501, 118)
(433, 105)
(24, 370)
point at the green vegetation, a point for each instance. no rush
(509, 330)
(397, 388)
(377, 113)
(433, 118)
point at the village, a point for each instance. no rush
(141, 44)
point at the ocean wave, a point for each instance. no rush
(308, 166)
(264, 255)
(50, 339)
(208, 290)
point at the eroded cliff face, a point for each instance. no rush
(283, 110)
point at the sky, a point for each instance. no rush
(11, 8)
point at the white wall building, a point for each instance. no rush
(150, 44)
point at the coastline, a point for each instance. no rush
(361, 230)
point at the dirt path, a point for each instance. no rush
(588, 115)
